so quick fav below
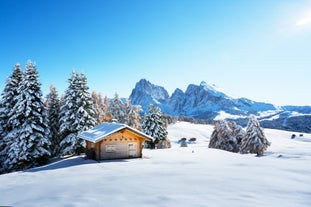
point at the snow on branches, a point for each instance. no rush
(28, 143)
(77, 114)
(231, 137)
(154, 124)
(255, 140)
(223, 137)
(53, 110)
(7, 102)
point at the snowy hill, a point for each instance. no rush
(206, 101)
(192, 176)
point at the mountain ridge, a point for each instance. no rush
(206, 101)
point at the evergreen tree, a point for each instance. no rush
(86, 112)
(77, 114)
(68, 116)
(117, 109)
(255, 140)
(222, 137)
(123, 112)
(237, 132)
(154, 124)
(7, 101)
(3, 146)
(30, 145)
(53, 111)
(226, 136)
(132, 116)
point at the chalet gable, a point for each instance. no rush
(114, 141)
(104, 130)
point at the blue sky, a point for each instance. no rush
(259, 49)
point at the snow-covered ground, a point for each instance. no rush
(192, 176)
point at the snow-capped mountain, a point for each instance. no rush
(198, 101)
(203, 100)
(146, 93)
(206, 101)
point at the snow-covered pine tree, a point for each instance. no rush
(237, 132)
(2, 142)
(117, 109)
(77, 115)
(132, 116)
(28, 118)
(255, 140)
(7, 101)
(154, 124)
(223, 138)
(2, 146)
(53, 111)
(86, 112)
(68, 111)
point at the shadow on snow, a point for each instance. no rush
(71, 162)
(63, 163)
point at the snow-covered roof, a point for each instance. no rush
(101, 131)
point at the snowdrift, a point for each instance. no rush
(179, 176)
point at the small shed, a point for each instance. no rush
(114, 141)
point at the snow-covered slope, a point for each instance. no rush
(192, 176)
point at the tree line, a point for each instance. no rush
(33, 128)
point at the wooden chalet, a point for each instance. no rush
(114, 141)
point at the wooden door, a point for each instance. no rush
(132, 149)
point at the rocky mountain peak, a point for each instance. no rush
(146, 93)
(144, 87)
(197, 101)
(203, 84)
(206, 101)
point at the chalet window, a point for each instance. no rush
(132, 146)
(110, 148)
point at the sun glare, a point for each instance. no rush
(306, 20)
(303, 21)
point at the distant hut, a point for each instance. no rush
(192, 140)
(183, 142)
(114, 141)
